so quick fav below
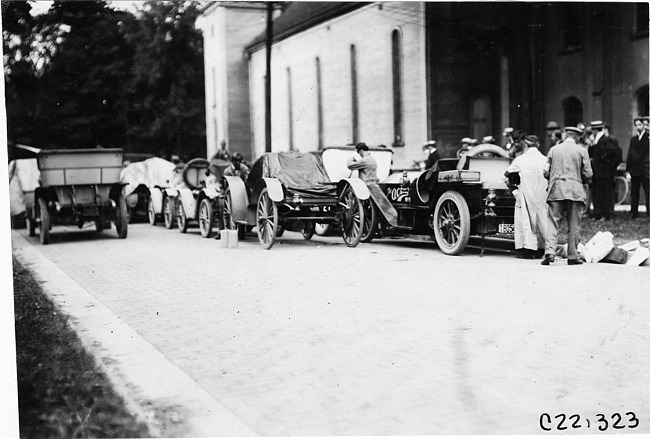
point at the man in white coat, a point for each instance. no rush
(526, 179)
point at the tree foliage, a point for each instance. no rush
(85, 74)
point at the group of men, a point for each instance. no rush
(542, 203)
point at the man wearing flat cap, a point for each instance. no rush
(567, 169)
(605, 158)
(526, 180)
(366, 165)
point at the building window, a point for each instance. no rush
(642, 18)
(398, 121)
(355, 98)
(481, 117)
(572, 111)
(572, 26)
(319, 102)
(642, 102)
(290, 108)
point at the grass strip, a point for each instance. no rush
(61, 391)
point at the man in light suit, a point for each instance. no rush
(567, 169)
(637, 166)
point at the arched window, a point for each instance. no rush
(481, 117)
(398, 121)
(642, 102)
(572, 108)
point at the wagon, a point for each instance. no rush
(77, 186)
(450, 202)
(198, 199)
(294, 190)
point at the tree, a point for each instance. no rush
(167, 96)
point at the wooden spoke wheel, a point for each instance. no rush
(267, 219)
(370, 220)
(451, 223)
(121, 217)
(168, 212)
(151, 212)
(181, 218)
(45, 222)
(228, 220)
(206, 217)
(351, 217)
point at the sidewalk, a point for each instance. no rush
(187, 410)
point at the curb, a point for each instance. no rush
(154, 389)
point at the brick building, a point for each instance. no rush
(400, 73)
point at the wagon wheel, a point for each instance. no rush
(621, 189)
(206, 217)
(121, 217)
(307, 228)
(181, 218)
(451, 223)
(228, 220)
(351, 218)
(31, 224)
(45, 223)
(168, 212)
(267, 219)
(371, 220)
(151, 212)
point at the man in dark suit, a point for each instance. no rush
(605, 158)
(637, 166)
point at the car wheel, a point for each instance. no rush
(168, 212)
(371, 220)
(206, 217)
(451, 223)
(151, 212)
(307, 229)
(181, 218)
(267, 219)
(121, 218)
(45, 223)
(351, 218)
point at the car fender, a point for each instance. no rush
(238, 197)
(358, 187)
(189, 203)
(274, 187)
(156, 196)
(171, 192)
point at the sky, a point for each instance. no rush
(41, 7)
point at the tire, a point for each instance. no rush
(351, 218)
(151, 212)
(451, 223)
(181, 218)
(45, 223)
(307, 229)
(267, 219)
(228, 221)
(206, 218)
(322, 229)
(30, 223)
(121, 218)
(280, 231)
(169, 213)
(371, 220)
(622, 188)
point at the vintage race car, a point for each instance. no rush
(297, 191)
(452, 201)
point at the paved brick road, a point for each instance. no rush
(389, 338)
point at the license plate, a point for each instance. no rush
(507, 228)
